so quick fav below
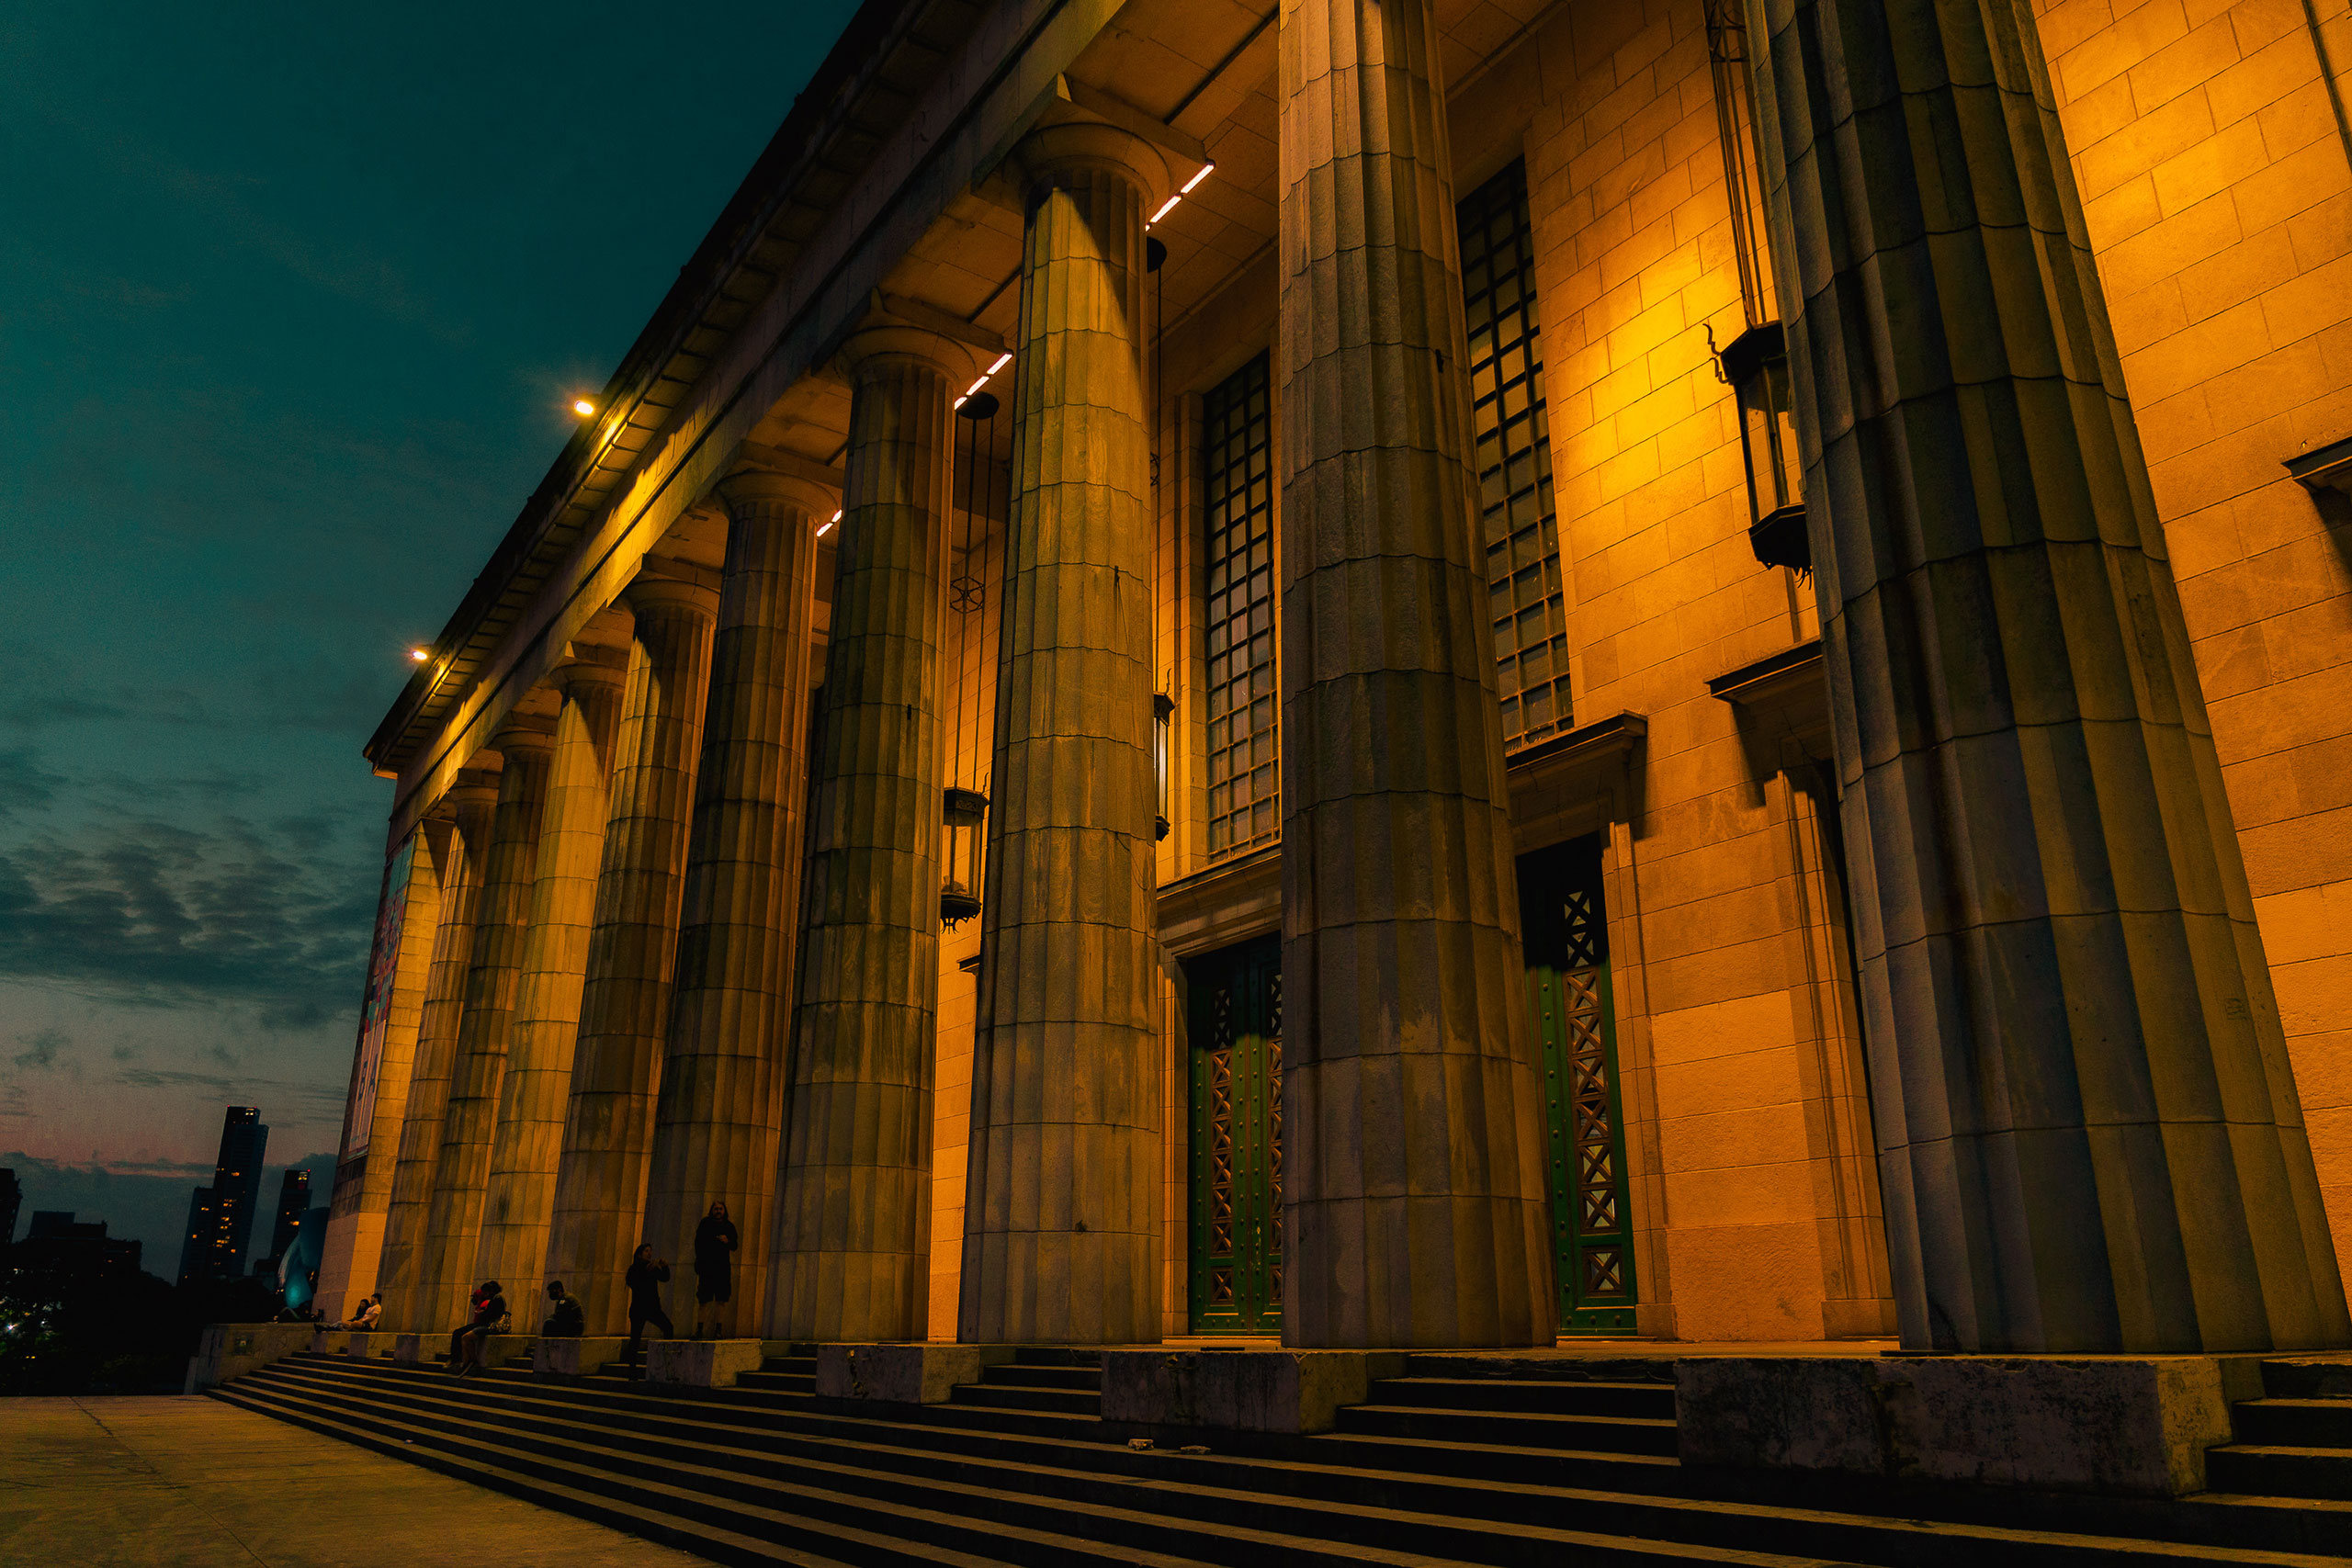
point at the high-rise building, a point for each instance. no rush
(221, 1217)
(56, 1242)
(11, 1196)
(293, 1201)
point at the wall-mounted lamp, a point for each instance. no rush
(1755, 365)
(966, 812)
(1163, 710)
(419, 654)
(582, 407)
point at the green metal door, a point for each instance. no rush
(1236, 1035)
(1565, 933)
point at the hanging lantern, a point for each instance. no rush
(1163, 708)
(1755, 366)
(959, 893)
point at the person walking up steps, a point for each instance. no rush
(645, 1276)
(715, 1244)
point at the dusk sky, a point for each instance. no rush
(292, 300)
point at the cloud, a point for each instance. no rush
(40, 1048)
(233, 1086)
(147, 911)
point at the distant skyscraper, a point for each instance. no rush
(11, 1195)
(221, 1217)
(293, 1200)
(57, 1243)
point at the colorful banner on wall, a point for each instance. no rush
(375, 1013)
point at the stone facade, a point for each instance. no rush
(1512, 808)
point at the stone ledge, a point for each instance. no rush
(366, 1344)
(229, 1350)
(702, 1363)
(2134, 1425)
(330, 1342)
(903, 1373)
(418, 1349)
(577, 1355)
(499, 1348)
(1277, 1391)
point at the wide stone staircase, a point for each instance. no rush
(1457, 1462)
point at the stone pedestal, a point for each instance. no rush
(1415, 1207)
(2138, 1426)
(577, 1356)
(419, 1349)
(1061, 1231)
(330, 1342)
(854, 1217)
(499, 1349)
(228, 1351)
(1184, 1392)
(719, 1111)
(370, 1344)
(471, 803)
(2090, 1136)
(625, 1006)
(534, 1091)
(903, 1374)
(501, 923)
(701, 1363)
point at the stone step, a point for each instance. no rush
(1013, 1396)
(1605, 1434)
(974, 1521)
(1651, 1401)
(1281, 1498)
(1022, 1375)
(2308, 1377)
(1057, 1356)
(2281, 1470)
(791, 1383)
(2294, 1423)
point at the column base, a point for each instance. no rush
(1179, 1393)
(2134, 1425)
(702, 1363)
(413, 1349)
(902, 1374)
(367, 1343)
(579, 1357)
(330, 1341)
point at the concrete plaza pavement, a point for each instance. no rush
(191, 1483)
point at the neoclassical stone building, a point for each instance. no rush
(1432, 672)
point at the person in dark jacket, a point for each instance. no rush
(490, 1315)
(715, 1244)
(566, 1319)
(645, 1276)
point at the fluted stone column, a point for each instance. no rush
(1415, 1209)
(853, 1219)
(718, 1114)
(502, 920)
(534, 1092)
(625, 1006)
(2088, 1136)
(471, 804)
(1061, 1211)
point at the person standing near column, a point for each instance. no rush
(1061, 1212)
(716, 1120)
(854, 1224)
(1415, 1210)
(625, 1004)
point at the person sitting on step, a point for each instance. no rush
(566, 1319)
(645, 1276)
(490, 1317)
(715, 1244)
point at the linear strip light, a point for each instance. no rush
(1001, 361)
(1168, 206)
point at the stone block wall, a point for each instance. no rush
(2216, 182)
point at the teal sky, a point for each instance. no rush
(292, 298)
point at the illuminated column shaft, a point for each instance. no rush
(1415, 1207)
(1061, 1216)
(472, 802)
(2089, 1138)
(502, 921)
(533, 1093)
(625, 1007)
(721, 1107)
(854, 1222)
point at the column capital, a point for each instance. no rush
(474, 788)
(660, 582)
(767, 486)
(1051, 151)
(589, 667)
(524, 732)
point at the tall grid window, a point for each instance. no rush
(1244, 738)
(1514, 455)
